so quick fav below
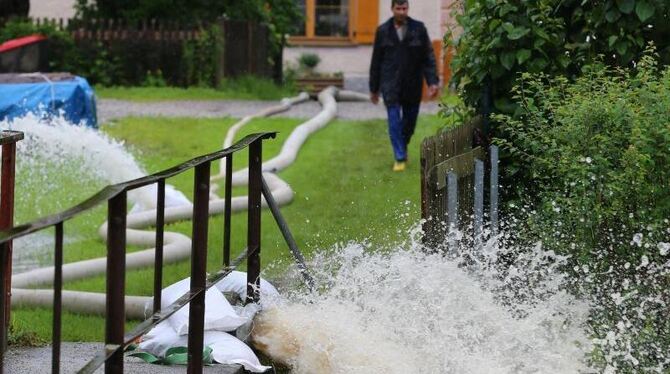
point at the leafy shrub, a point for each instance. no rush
(309, 61)
(154, 79)
(500, 39)
(595, 152)
(200, 57)
(595, 156)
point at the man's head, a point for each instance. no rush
(400, 9)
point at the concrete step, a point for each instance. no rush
(24, 360)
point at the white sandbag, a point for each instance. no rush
(237, 282)
(219, 314)
(226, 349)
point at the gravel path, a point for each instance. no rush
(109, 109)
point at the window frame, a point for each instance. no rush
(310, 38)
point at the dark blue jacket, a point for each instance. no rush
(398, 68)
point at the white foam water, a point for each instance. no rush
(58, 165)
(409, 311)
(57, 155)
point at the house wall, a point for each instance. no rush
(52, 9)
(354, 61)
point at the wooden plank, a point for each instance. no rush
(463, 165)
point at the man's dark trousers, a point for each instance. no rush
(402, 122)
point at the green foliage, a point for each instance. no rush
(595, 152)
(200, 56)
(154, 79)
(309, 61)
(500, 39)
(280, 15)
(594, 163)
(62, 52)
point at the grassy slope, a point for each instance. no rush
(344, 187)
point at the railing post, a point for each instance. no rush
(7, 173)
(196, 320)
(494, 191)
(452, 210)
(478, 226)
(57, 308)
(116, 280)
(254, 221)
(227, 210)
(158, 255)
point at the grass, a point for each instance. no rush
(344, 191)
(243, 88)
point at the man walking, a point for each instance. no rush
(401, 58)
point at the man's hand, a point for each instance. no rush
(433, 91)
(374, 97)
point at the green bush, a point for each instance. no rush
(595, 152)
(200, 57)
(309, 61)
(595, 157)
(500, 39)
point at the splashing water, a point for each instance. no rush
(60, 164)
(409, 311)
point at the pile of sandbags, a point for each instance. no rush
(222, 320)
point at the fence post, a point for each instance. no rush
(254, 221)
(494, 190)
(452, 209)
(479, 204)
(196, 320)
(7, 173)
(115, 316)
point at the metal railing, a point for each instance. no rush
(116, 339)
(8, 141)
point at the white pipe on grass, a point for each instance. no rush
(177, 246)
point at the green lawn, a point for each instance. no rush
(244, 88)
(344, 190)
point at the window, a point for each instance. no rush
(331, 18)
(336, 21)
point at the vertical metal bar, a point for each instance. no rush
(4, 300)
(196, 318)
(6, 222)
(479, 204)
(494, 190)
(227, 210)
(452, 209)
(58, 308)
(158, 255)
(254, 223)
(116, 279)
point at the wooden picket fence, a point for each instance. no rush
(453, 151)
(157, 45)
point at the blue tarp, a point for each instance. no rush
(73, 99)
